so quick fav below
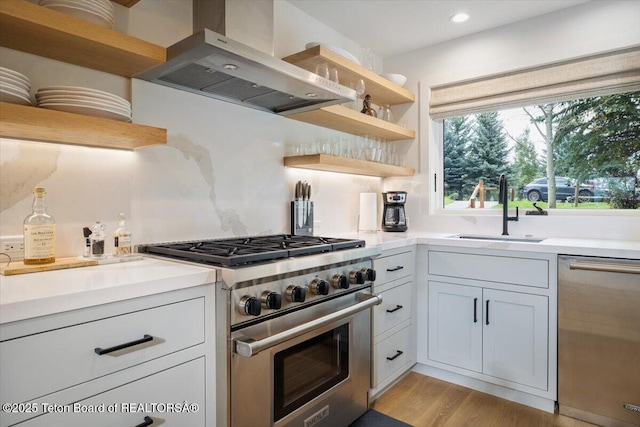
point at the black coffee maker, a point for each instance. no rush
(393, 215)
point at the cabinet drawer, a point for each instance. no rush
(149, 396)
(395, 308)
(40, 364)
(391, 354)
(491, 268)
(393, 267)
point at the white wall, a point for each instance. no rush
(220, 174)
(582, 30)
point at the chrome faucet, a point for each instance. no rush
(504, 199)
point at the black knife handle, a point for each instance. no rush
(100, 351)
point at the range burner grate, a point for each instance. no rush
(236, 251)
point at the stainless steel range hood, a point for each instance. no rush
(211, 64)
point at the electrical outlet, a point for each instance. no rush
(12, 246)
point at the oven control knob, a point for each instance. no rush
(340, 281)
(369, 274)
(319, 287)
(356, 277)
(296, 293)
(249, 306)
(271, 300)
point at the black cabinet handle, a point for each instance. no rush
(487, 312)
(475, 310)
(398, 354)
(100, 351)
(398, 307)
(395, 269)
(147, 422)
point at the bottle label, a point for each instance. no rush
(122, 244)
(39, 241)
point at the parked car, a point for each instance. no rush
(604, 188)
(537, 190)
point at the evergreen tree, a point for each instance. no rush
(457, 133)
(488, 153)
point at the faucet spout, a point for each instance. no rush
(503, 196)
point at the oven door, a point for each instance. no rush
(321, 373)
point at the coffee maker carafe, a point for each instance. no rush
(393, 215)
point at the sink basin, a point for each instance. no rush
(528, 239)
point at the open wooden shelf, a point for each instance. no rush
(126, 3)
(27, 27)
(343, 119)
(40, 124)
(325, 162)
(382, 91)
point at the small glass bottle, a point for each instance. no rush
(39, 232)
(97, 240)
(122, 238)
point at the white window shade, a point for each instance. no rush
(603, 74)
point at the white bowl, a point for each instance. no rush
(398, 79)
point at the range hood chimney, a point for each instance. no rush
(230, 57)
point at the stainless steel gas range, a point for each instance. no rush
(293, 327)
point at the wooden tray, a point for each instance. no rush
(18, 267)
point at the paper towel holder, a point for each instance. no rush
(368, 214)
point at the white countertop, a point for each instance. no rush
(37, 294)
(555, 245)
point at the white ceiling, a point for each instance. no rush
(391, 27)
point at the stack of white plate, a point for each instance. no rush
(82, 100)
(14, 87)
(99, 12)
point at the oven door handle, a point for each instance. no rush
(248, 347)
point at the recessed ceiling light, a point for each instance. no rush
(459, 17)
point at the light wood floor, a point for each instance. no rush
(426, 402)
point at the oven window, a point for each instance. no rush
(307, 370)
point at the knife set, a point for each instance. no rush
(302, 210)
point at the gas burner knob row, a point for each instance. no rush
(296, 293)
(271, 300)
(319, 286)
(340, 281)
(249, 306)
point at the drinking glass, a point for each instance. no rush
(358, 86)
(333, 75)
(322, 69)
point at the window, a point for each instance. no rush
(595, 146)
(566, 135)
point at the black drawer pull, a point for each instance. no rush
(487, 312)
(398, 307)
(475, 310)
(398, 354)
(395, 269)
(100, 351)
(147, 422)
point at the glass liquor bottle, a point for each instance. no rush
(39, 232)
(122, 238)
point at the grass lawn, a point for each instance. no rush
(525, 204)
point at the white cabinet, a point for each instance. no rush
(499, 333)
(492, 321)
(455, 325)
(131, 356)
(393, 321)
(515, 337)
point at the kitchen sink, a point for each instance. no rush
(528, 239)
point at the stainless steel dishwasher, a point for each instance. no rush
(599, 340)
